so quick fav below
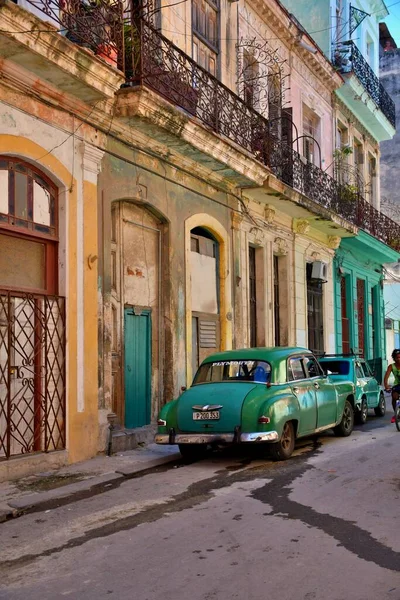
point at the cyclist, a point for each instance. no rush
(393, 369)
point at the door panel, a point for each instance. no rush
(137, 368)
(325, 394)
(372, 388)
(304, 392)
(326, 401)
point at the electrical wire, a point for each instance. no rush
(309, 33)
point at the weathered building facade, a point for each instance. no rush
(184, 156)
(364, 116)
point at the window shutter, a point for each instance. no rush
(208, 334)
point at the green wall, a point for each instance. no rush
(362, 257)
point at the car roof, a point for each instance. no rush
(340, 357)
(267, 354)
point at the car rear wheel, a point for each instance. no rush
(381, 408)
(193, 451)
(362, 414)
(346, 425)
(283, 449)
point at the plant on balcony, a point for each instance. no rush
(90, 25)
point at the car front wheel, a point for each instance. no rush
(346, 425)
(381, 408)
(283, 449)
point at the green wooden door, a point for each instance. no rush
(137, 368)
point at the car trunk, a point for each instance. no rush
(230, 396)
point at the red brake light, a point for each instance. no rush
(161, 423)
(264, 419)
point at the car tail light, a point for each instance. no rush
(161, 423)
(264, 419)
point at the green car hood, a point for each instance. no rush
(230, 396)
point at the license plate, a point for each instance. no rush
(208, 415)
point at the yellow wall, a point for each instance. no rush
(81, 427)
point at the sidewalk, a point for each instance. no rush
(80, 480)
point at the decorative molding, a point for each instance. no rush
(301, 226)
(334, 241)
(91, 161)
(269, 214)
(237, 219)
(281, 246)
(316, 256)
(258, 235)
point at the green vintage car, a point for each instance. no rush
(369, 394)
(257, 395)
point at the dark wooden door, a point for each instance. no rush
(252, 297)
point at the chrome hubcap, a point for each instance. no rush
(347, 418)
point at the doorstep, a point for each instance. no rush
(129, 439)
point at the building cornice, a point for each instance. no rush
(279, 20)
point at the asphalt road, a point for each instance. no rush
(322, 526)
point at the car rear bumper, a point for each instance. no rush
(215, 438)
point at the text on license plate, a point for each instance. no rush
(206, 415)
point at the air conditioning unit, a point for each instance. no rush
(319, 271)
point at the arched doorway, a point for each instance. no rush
(32, 315)
(205, 276)
(209, 318)
(136, 307)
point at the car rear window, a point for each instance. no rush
(336, 367)
(256, 371)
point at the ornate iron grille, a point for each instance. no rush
(349, 59)
(155, 62)
(32, 373)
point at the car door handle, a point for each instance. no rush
(316, 385)
(296, 390)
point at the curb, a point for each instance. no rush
(82, 489)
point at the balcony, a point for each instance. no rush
(364, 93)
(159, 65)
(72, 46)
(147, 60)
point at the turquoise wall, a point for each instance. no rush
(315, 18)
(362, 257)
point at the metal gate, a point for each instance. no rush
(32, 373)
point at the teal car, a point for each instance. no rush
(369, 394)
(257, 395)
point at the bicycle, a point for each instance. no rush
(396, 410)
(397, 415)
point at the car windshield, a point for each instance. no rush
(336, 367)
(256, 371)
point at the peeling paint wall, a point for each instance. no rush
(157, 195)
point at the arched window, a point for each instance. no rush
(28, 228)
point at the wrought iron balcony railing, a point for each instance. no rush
(349, 59)
(158, 64)
(149, 59)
